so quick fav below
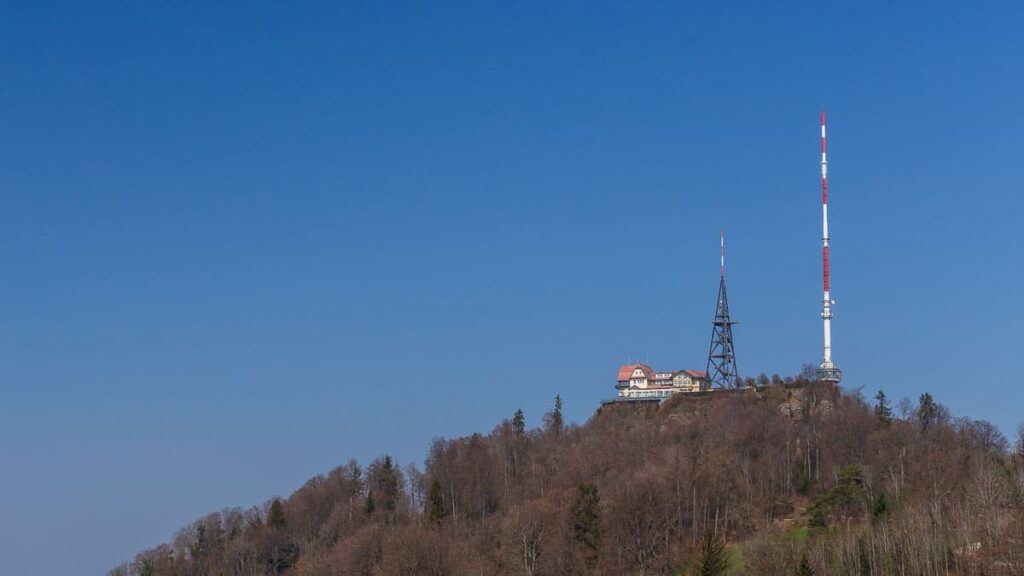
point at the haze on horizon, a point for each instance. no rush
(245, 242)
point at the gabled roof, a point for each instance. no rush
(699, 374)
(626, 371)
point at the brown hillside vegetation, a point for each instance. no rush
(785, 480)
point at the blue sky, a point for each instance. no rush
(244, 242)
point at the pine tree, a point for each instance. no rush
(435, 503)
(519, 423)
(586, 516)
(849, 489)
(819, 511)
(883, 411)
(804, 569)
(389, 484)
(881, 506)
(713, 559)
(275, 516)
(554, 418)
(201, 547)
(927, 411)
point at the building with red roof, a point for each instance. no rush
(640, 382)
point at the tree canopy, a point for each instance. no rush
(683, 487)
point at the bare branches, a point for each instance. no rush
(635, 489)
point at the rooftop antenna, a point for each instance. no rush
(827, 372)
(721, 367)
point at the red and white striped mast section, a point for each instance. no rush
(827, 371)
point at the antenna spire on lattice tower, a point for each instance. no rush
(721, 239)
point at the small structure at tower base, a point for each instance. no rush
(829, 373)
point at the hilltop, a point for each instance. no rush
(785, 479)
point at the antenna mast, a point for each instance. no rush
(721, 240)
(827, 372)
(721, 367)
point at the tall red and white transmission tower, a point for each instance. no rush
(827, 371)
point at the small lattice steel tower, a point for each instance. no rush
(722, 354)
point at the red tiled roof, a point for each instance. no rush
(626, 372)
(697, 373)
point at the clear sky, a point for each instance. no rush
(243, 243)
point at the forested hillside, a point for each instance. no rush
(790, 479)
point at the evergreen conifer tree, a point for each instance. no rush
(554, 418)
(819, 511)
(201, 547)
(519, 423)
(883, 411)
(713, 559)
(275, 516)
(927, 411)
(586, 517)
(435, 503)
(389, 484)
(881, 506)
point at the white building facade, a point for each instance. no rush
(640, 382)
